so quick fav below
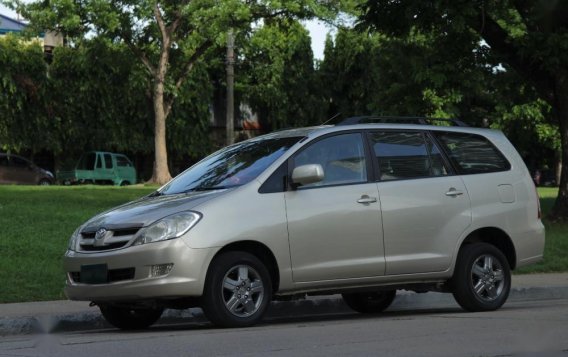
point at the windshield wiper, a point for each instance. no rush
(211, 188)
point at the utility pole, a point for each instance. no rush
(230, 87)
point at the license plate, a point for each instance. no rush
(94, 274)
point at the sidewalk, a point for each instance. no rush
(62, 315)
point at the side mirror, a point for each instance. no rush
(306, 174)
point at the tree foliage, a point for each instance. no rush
(169, 37)
(25, 92)
(92, 97)
(372, 73)
(277, 76)
(528, 37)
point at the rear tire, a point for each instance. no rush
(44, 182)
(130, 319)
(482, 279)
(237, 290)
(369, 302)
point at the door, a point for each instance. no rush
(334, 226)
(124, 169)
(106, 169)
(21, 171)
(425, 208)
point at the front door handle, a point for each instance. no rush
(366, 199)
(454, 193)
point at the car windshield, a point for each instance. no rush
(232, 166)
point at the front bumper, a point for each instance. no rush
(185, 279)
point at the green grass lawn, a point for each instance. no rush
(36, 223)
(35, 226)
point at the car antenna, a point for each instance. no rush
(330, 119)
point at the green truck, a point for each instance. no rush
(99, 167)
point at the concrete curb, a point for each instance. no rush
(92, 320)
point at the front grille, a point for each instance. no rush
(113, 275)
(126, 232)
(120, 274)
(113, 239)
(88, 235)
(92, 248)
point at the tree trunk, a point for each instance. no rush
(558, 167)
(560, 108)
(161, 173)
(230, 129)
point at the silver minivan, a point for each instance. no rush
(358, 208)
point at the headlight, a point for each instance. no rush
(170, 227)
(74, 238)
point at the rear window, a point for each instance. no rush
(87, 161)
(473, 154)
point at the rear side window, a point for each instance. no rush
(17, 162)
(473, 154)
(406, 155)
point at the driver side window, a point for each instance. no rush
(342, 158)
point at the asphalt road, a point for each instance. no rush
(521, 328)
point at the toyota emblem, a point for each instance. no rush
(101, 232)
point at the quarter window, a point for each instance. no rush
(342, 158)
(406, 155)
(473, 154)
(122, 161)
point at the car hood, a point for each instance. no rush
(147, 210)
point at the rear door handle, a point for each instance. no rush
(454, 193)
(366, 199)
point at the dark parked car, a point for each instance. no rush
(15, 169)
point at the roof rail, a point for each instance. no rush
(389, 119)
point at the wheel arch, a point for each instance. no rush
(262, 252)
(496, 237)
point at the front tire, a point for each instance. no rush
(482, 279)
(44, 182)
(130, 319)
(369, 302)
(237, 291)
